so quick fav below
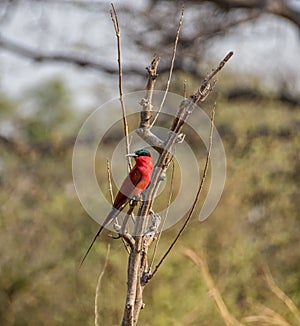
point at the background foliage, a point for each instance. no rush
(44, 230)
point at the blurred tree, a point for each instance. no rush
(7, 106)
(51, 112)
(151, 29)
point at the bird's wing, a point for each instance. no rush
(128, 187)
(135, 176)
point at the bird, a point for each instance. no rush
(136, 181)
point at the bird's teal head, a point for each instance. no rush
(142, 152)
(139, 153)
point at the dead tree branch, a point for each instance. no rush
(191, 212)
(144, 130)
(138, 274)
(110, 190)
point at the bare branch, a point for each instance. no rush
(144, 129)
(147, 102)
(187, 105)
(171, 68)
(137, 264)
(185, 109)
(184, 88)
(201, 94)
(132, 284)
(114, 18)
(109, 181)
(195, 200)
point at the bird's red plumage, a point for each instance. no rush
(137, 180)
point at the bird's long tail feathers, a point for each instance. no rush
(91, 245)
(111, 216)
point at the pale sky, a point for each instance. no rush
(269, 49)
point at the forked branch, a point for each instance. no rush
(196, 200)
(138, 274)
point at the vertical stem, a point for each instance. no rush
(137, 264)
(132, 276)
(114, 18)
(171, 68)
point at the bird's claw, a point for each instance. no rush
(134, 199)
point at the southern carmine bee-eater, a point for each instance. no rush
(136, 181)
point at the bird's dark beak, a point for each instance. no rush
(131, 155)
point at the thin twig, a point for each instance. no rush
(280, 294)
(146, 113)
(146, 103)
(186, 106)
(97, 317)
(166, 215)
(205, 86)
(196, 198)
(184, 88)
(114, 18)
(171, 68)
(109, 181)
(152, 77)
